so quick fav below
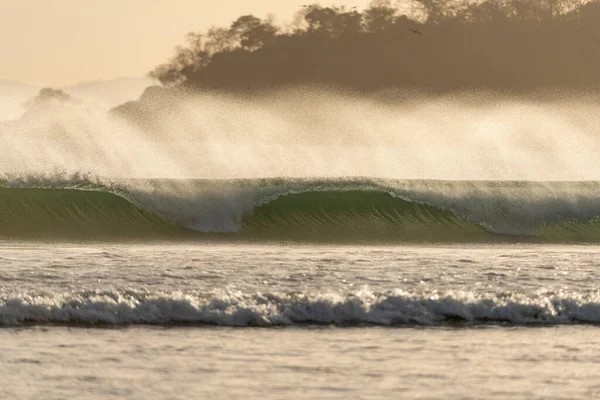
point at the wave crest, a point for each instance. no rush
(276, 309)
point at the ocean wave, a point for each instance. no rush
(315, 210)
(75, 213)
(393, 308)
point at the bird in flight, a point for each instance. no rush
(416, 32)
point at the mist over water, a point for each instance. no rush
(220, 163)
(309, 133)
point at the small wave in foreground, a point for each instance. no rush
(278, 309)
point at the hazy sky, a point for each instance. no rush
(59, 42)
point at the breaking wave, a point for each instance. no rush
(276, 309)
(314, 210)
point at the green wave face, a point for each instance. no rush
(305, 211)
(570, 231)
(358, 216)
(78, 214)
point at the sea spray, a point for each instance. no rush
(310, 133)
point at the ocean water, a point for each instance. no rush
(232, 320)
(300, 363)
(298, 288)
(332, 210)
(304, 243)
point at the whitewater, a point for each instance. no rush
(164, 320)
(301, 244)
(282, 285)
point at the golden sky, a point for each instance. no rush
(60, 42)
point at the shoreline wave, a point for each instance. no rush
(235, 309)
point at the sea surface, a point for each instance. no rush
(271, 321)
(298, 288)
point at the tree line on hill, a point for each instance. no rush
(436, 44)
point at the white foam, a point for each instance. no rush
(256, 309)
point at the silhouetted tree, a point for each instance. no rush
(440, 10)
(333, 21)
(442, 45)
(253, 33)
(380, 16)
